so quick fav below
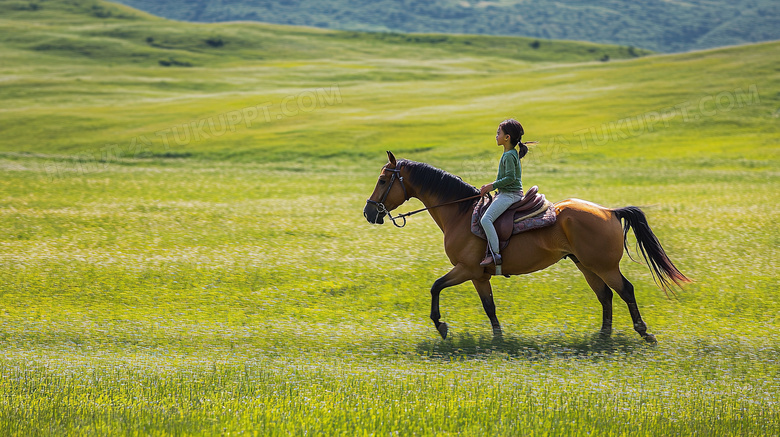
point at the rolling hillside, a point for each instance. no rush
(123, 72)
(84, 74)
(659, 25)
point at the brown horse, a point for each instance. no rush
(590, 235)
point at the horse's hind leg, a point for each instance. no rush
(604, 294)
(625, 290)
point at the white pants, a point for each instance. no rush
(500, 204)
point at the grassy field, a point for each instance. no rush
(183, 251)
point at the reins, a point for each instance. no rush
(407, 214)
(381, 204)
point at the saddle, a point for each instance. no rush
(532, 212)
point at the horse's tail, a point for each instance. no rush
(663, 269)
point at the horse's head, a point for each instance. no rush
(389, 192)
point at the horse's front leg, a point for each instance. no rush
(458, 275)
(485, 292)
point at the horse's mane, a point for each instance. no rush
(445, 186)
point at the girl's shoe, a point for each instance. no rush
(491, 258)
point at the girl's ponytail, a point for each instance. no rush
(522, 149)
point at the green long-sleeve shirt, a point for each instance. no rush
(509, 170)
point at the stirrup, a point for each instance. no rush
(491, 258)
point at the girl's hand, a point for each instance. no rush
(485, 189)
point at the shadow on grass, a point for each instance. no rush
(540, 347)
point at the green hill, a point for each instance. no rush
(109, 73)
(664, 26)
(108, 32)
(84, 74)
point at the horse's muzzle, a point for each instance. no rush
(372, 214)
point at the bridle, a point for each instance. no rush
(380, 206)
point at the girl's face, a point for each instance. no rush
(502, 139)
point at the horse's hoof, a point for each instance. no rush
(442, 328)
(650, 338)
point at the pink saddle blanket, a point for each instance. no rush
(514, 221)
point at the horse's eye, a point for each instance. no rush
(381, 182)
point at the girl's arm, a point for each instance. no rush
(506, 173)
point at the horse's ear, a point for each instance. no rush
(391, 158)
